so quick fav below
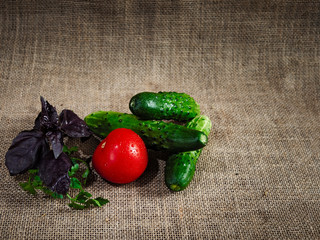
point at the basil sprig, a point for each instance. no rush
(41, 152)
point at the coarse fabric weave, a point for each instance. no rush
(254, 69)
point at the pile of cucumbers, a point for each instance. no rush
(166, 121)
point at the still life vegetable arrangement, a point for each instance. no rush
(163, 121)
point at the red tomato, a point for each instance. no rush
(121, 157)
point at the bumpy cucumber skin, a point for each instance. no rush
(164, 105)
(157, 135)
(180, 168)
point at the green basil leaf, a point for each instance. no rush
(86, 173)
(102, 201)
(37, 181)
(51, 193)
(70, 150)
(28, 187)
(74, 169)
(75, 183)
(94, 202)
(77, 206)
(86, 194)
(33, 171)
(82, 197)
(56, 195)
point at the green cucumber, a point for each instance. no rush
(157, 135)
(164, 105)
(180, 167)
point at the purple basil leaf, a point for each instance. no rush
(37, 124)
(43, 151)
(72, 125)
(25, 151)
(56, 140)
(49, 116)
(54, 172)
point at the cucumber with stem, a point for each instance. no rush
(164, 105)
(157, 135)
(180, 167)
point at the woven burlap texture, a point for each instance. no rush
(253, 67)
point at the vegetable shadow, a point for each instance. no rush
(150, 178)
(151, 171)
(156, 161)
(148, 175)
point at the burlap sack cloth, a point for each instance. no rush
(252, 66)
